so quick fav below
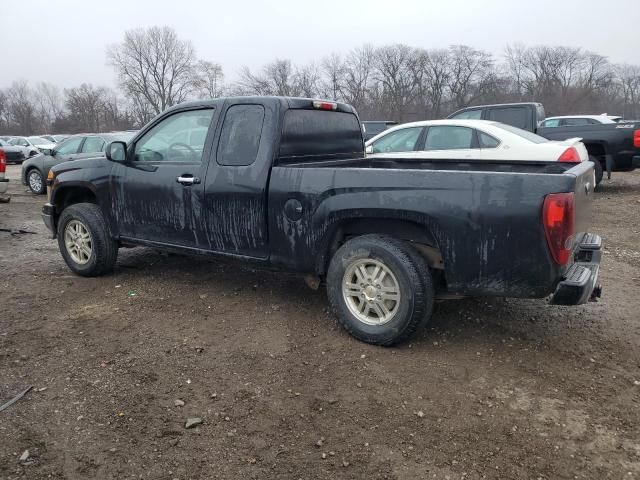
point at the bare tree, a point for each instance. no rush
(434, 68)
(396, 70)
(470, 69)
(93, 109)
(358, 72)
(276, 78)
(22, 111)
(306, 81)
(155, 66)
(209, 79)
(514, 56)
(628, 79)
(50, 104)
(333, 77)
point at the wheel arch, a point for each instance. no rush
(413, 229)
(67, 195)
(596, 149)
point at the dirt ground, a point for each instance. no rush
(509, 389)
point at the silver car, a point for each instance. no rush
(36, 169)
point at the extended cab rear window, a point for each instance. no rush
(241, 133)
(320, 133)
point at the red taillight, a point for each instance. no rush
(558, 219)
(636, 138)
(3, 161)
(325, 105)
(570, 155)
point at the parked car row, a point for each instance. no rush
(27, 146)
(518, 131)
(613, 145)
(36, 168)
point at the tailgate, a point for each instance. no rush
(583, 190)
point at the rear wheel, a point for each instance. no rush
(598, 169)
(380, 289)
(84, 240)
(35, 181)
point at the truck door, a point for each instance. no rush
(235, 190)
(157, 194)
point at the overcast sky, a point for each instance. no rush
(64, 41)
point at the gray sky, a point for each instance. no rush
(64, 41)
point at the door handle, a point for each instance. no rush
(187, 180)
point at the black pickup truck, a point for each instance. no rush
(285, 182)
(612, 146)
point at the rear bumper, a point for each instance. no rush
(580, 282)
(4, 183)
(635, 162)
(48, 217)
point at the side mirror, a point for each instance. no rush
(116, 151)
(48, 151)
(368, 149)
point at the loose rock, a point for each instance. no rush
(25, 456)
(192, 422)
(178, 403)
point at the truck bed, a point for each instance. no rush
(485, 219)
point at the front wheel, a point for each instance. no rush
(35, 181)
(380, 289)
(84, 240)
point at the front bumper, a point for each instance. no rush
(48, 217)
(580, 282)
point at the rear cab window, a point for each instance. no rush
(319, 135)
(515, 116)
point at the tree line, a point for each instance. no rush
(156, 69)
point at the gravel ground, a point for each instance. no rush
(511, 389)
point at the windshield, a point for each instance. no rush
(532, 137)
(38, 140)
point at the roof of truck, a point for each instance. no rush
(290, 102)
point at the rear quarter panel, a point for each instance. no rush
(486, 225)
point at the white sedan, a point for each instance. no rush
(32, 145)
(473, 140)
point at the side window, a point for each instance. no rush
(469, 115)
(93, 145)
(69, 147)
(487, 141)
(403, 140)
(514, 116)
(240, 136)
(171, 139)
(23, 143)
(554, 122)
(448, 138)
(576, 122)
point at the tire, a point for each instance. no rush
(103, 250)
(406, 273)
(598, 169)
(36, 182)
